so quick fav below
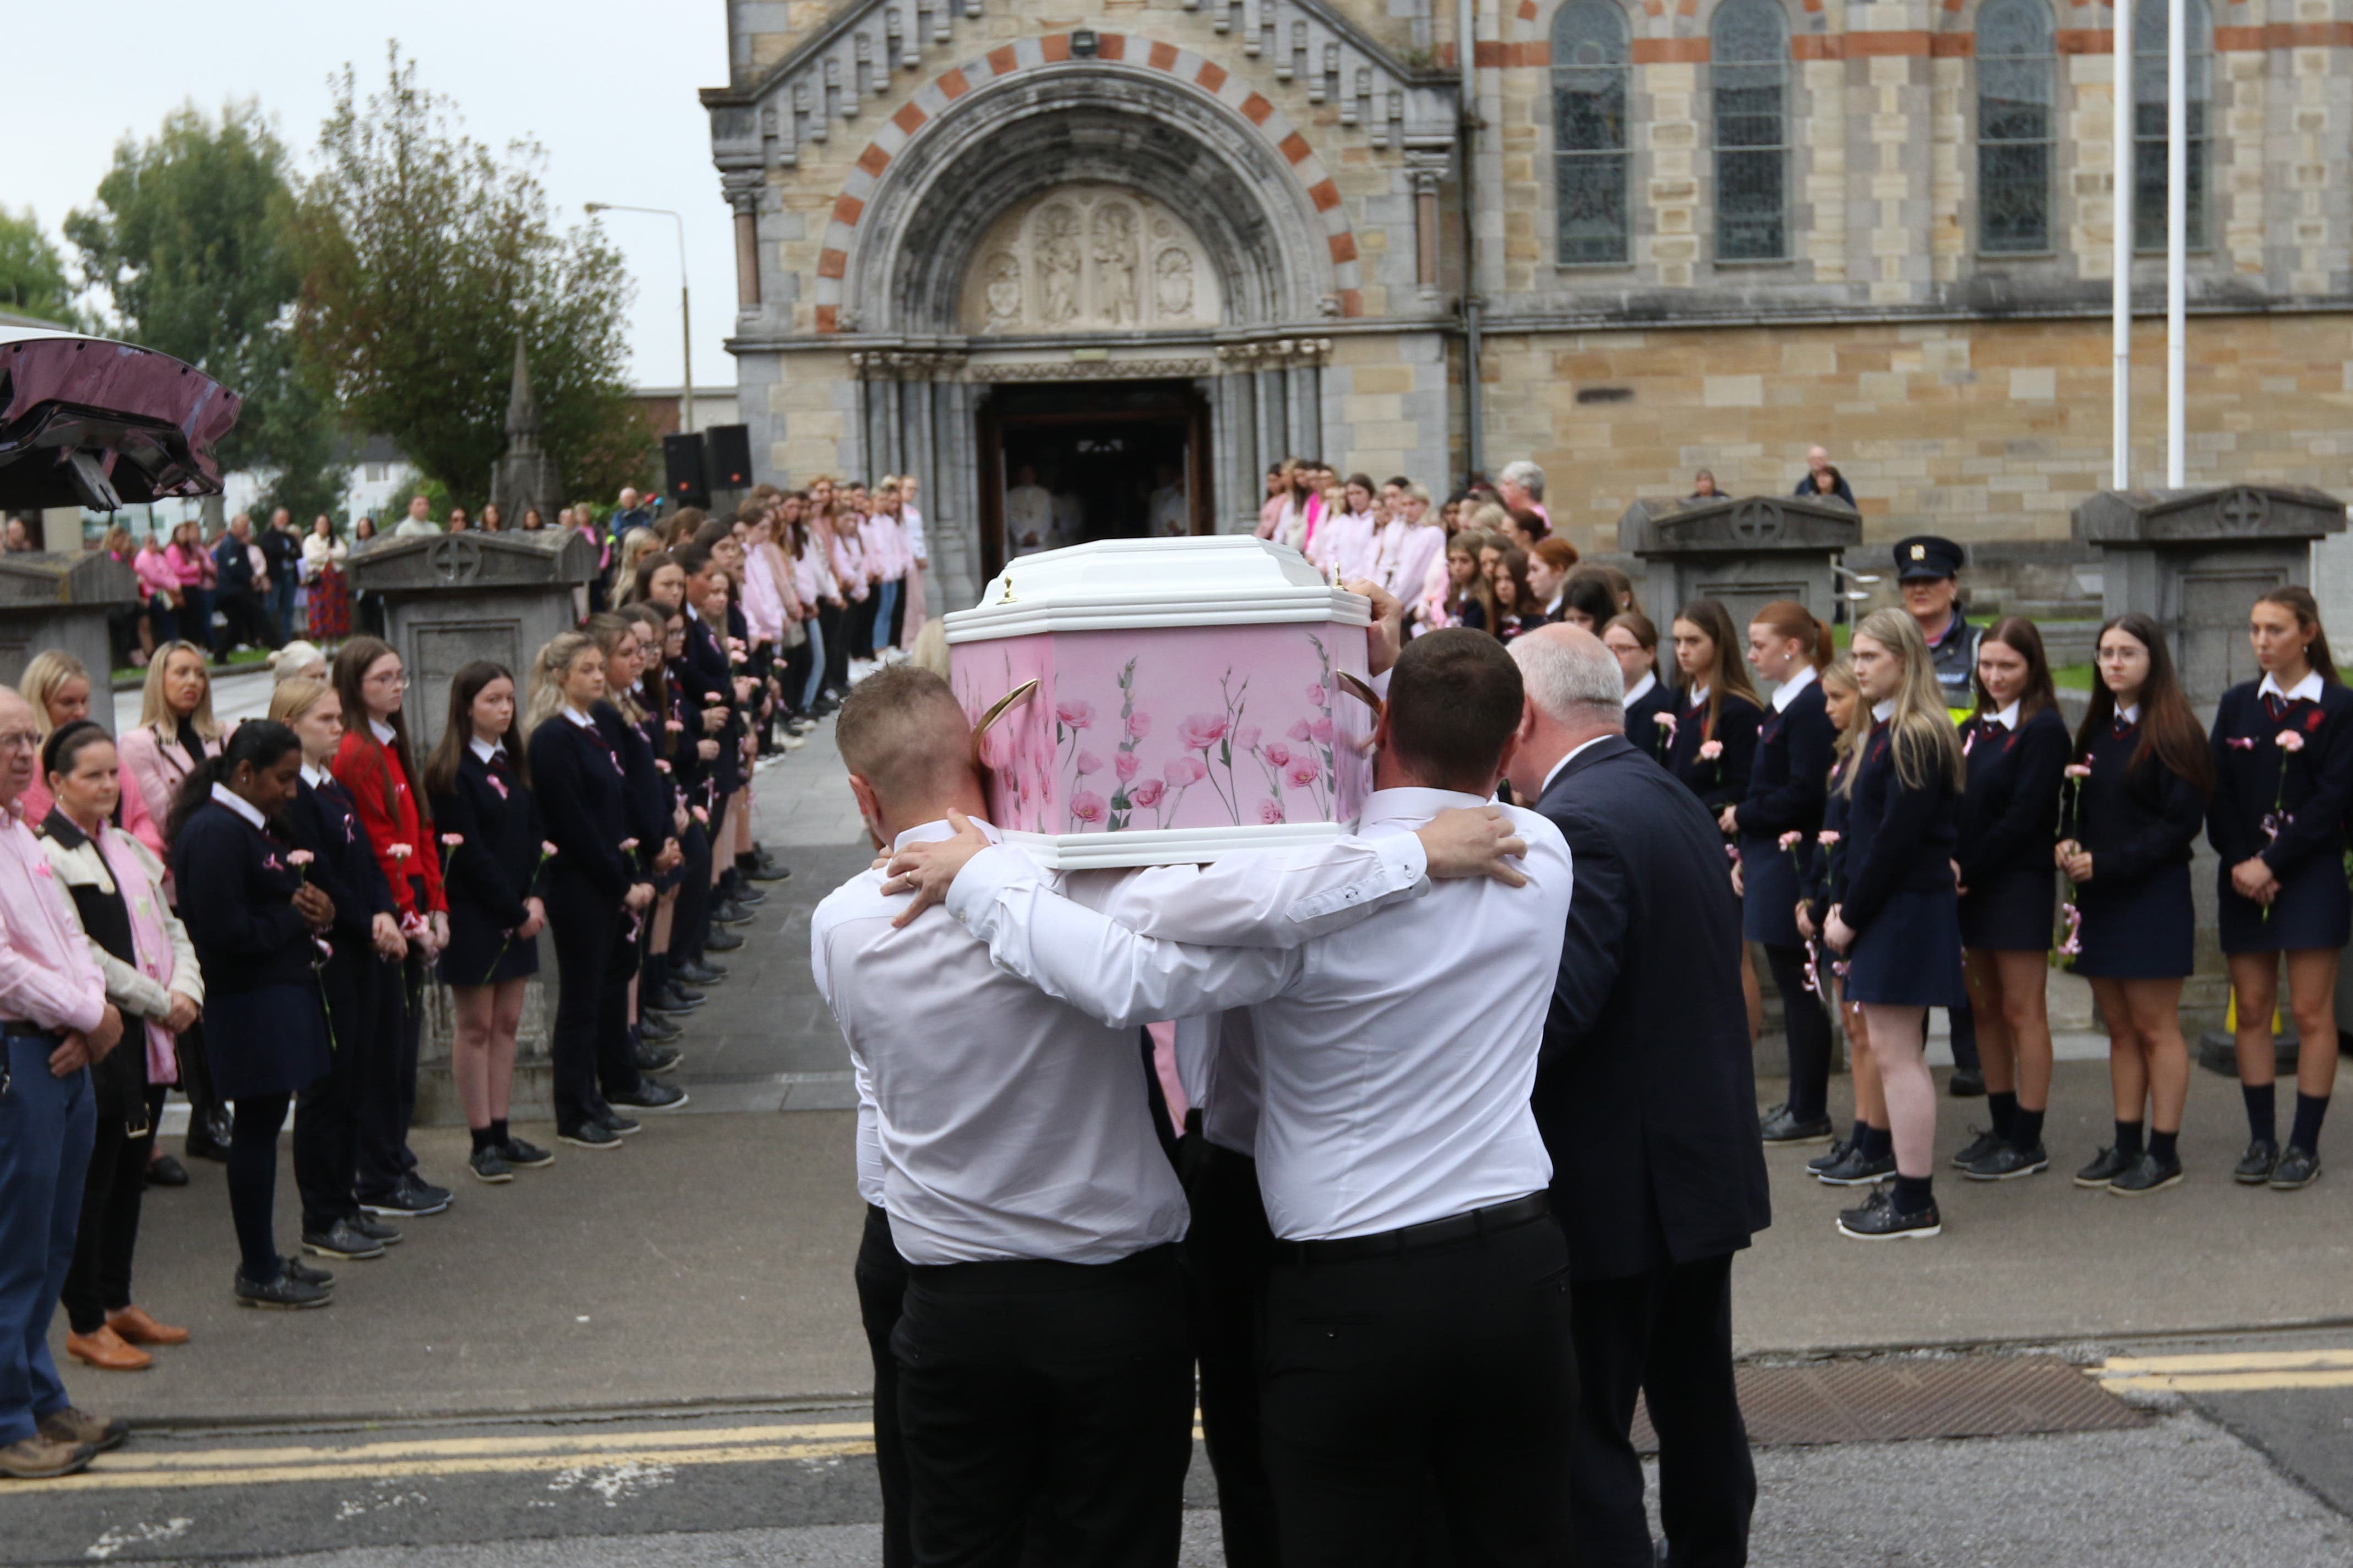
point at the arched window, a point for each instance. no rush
(1748, 46)
(2148, 118)
(1589, 138)
(2015, 72)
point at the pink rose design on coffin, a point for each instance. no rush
(1183, 773)
(1199, 732)
(1089, 762)
(1077, 715)
(1145, 794)
(1124, 764)
(1139, 725)
(1303, 772)
(1317, 697)
(1270, 812)
(1246, 738)
(1089, 807)
(1317, 729)
(1277, 754)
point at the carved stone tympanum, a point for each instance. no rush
(1084, 258)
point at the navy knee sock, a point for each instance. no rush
(2026, 1129)
(2262, 1121)
(1879, 1144)
(2003, 1105)
(2309, 1110)
(2128, 1140)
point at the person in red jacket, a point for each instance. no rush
(377, 766)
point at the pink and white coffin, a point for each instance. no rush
(1188, 703)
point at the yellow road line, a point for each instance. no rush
(2231, 1381)
(2234, 1360)
(463, 1447)
(108, 1478)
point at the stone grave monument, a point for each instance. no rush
(1743, 551)
(59, 600)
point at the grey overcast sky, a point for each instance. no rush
(607, 86)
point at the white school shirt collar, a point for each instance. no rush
(579, 718)
(385, 733)
(483, 749)
(1882, 712)
(1698, 695)
(2129, 715)
(1787, 692)
(2007, 717)
(240, 804)
(1642, 688)
(2305, 690)
(313, 776)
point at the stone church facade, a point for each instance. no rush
(1179, 240)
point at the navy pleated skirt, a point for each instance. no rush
(1910, 956)
(473, 956)
(270, 1041)
(2313, 909)
(2016, 911)
(2142, 928)
(1770, 892)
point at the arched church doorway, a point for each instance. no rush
(1069, 462)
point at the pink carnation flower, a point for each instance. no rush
(2079, 770)
(2290, 740)
(299, 858)
(399, 851)
(628, 846)
(1147, 793)
(1709, 751)
(1827, 838)
(1088, 806)
(451, 840)
(1791, 840)
(547, 846)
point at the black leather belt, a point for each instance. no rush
(1414, 1237)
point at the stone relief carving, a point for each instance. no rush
(1090, 257)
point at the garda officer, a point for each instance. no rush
(1927, 575)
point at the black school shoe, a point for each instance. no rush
(592, 1135)
(655, 1029)
(2255, 1166)
(375, 1229)
(489, 1164)
(721, 940)
(1967, 1083)
(1881, 1220)
(2148, 1174)
(165, 1170)
(2298, 1167)
(1985, 1141)
(525, 1156)
(2006, 1160)
(342, 1242)
(2105, 1167)
(613, 1121)
(284, 1293)
(1780, 1127)
(650, 1095)
(1833, 1155)
(731, 913)
(1857, 1170)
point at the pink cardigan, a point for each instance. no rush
(158, 578)
(155, 768)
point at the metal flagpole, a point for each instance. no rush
(2121, 159)
(2177, 236)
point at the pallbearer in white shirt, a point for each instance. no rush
(1418, 1310)
(1043, 1359)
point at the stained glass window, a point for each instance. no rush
(2148, 118)
(1590, 77)
(1749, 50)
(2014, 116)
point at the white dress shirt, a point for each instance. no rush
(1397, 1058)
(485, 750)
(997, 1122)
(2305, 690)
(1787, 692)
(385, 733)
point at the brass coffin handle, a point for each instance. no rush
(1000, 709)
(1361, 692)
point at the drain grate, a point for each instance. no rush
(1887, 1401)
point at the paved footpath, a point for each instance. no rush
(652, 1356)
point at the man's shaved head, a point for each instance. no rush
(902, 731)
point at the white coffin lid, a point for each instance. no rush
(1112, 585)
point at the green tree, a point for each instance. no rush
(32, 272)
(423, 255)
(189, 238)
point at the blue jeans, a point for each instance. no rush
(47, 1127)
(886, 605)
(815, 681)
(282, 607)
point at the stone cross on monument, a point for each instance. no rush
(525, 476)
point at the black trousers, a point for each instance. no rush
(1228, 1253)
(833, 627)
(196, 1080)
(881, 1276)
(327, 1113)
(1807, 1023)
(1964, 1021)
(1666, 1334)
(253, 1182)
(100, 1280)
(795, 666)
(862, 621)
(1440, 1371)
(586, 926)
(1047, 1411)
(386, 1093)
(616, 1058)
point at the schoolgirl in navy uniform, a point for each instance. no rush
(252, 914)
(1867, 1154)
(617, 718)
(1786, 790)
(1649, 698)
(2283, 750)
(2145, 776)
(1715, 741)
(658, 997)
(2016, 744)
(1899, 920)
(593, 888)
(478, 782)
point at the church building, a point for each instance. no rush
(1148, 248)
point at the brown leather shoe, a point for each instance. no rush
(106, 1350)
(39, 1459)
(137, 1328)
(71, 1425)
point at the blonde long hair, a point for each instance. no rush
(42, 674)
(547, 672)
(153, 710)
(1924, 736)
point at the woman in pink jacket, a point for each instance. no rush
(886, 557)
(159, 587)
(192, 564)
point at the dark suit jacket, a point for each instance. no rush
(1646, 1093)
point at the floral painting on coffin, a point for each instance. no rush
(1203, 727)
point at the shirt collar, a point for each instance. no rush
(1570, 757)
(1414, 804)
(1552, 605)
(1642, 688)
(483, 749)
(240, 804)
(2129, 715)
(314, 776)
(2305, 690)
(934, 831)
(384, 733)
(64, 829)
(694, 615)
(1882, 712)
(579, 718)
(2007, 717)
(1787, 692)
(1698, 695)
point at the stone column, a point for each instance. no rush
(1274, 436)
(742, 188)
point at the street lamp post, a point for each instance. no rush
(685, 307)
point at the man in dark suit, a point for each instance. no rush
(1646, 1096)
